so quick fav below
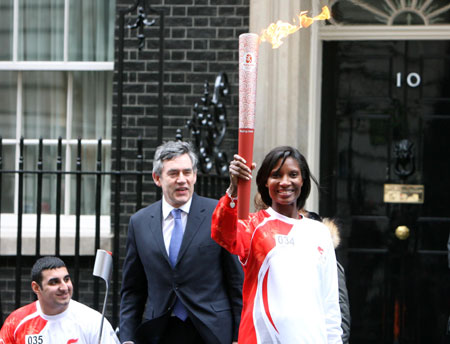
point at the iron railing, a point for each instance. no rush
(210, 186)
(208, 136)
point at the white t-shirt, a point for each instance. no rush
(77, 324)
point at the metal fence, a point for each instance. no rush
(208, 136)
(210, 186)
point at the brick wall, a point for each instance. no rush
(201, 40)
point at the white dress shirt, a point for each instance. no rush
(167, 225)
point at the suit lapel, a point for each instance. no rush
(155, 226)
(195, 219)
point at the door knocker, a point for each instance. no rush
(404, 161)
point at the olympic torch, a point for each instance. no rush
(248, 68)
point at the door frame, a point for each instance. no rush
(350, 33)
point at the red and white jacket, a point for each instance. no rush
(290, 292)
(77, 324)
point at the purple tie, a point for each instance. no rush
(175, 242)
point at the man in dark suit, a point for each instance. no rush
(178, 285)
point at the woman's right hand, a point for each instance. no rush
(238, 169)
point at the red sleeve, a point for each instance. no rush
(9, 334)
(233, 235)
(7, 331)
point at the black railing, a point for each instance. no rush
(210, 186)
(209, 134)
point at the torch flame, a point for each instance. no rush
(275, 32)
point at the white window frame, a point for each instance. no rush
(8, 229)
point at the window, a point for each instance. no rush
(56, 71)
(388, 12)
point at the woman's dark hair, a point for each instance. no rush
(269, 163)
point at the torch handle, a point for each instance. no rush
(245, 150)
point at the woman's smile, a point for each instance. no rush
(284, 185)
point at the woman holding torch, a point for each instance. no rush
(290, 287)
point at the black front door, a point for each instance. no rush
(386, 137)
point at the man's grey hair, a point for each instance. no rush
(171, 150)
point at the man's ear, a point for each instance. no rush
(35, 287)
(156, 179)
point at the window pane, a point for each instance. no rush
(6, 29)
(7, 179)
(89, 182)
(92, 98)
(49, 190)
(91, 30)
(41, 30)
(8, 100)
(44, 104)
(388, 12)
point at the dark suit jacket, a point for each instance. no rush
(206, 278)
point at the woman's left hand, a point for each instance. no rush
(238, 169)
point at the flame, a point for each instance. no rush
(275, 32)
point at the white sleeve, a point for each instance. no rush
(108, 334)
(330, 294)
(92, 328)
